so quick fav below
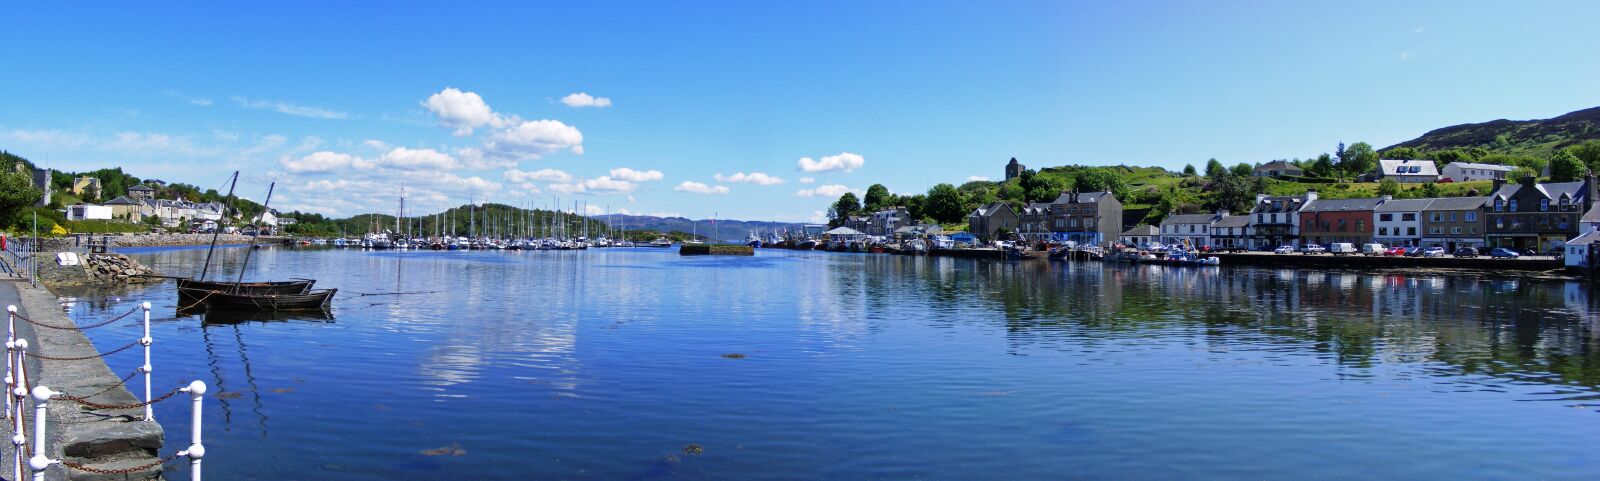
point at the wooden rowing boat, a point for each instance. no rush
(222, 300)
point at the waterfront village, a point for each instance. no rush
(1514, 218)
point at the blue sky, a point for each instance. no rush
(343, 103)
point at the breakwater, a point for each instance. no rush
(716, 250)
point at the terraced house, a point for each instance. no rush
(1229, 232)
(1534, 216)
(1328, 221)
(1275, 220)
(1192, 230)
(1453, 223)
(1399, 221)
(1086, 217)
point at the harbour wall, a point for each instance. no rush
(1325, 261)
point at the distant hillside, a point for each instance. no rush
(1527, 137)
(726, 229)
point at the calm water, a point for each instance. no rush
(607, 364)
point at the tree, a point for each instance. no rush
(1096, 180)
(914, 205)
(877, 198)
(1037, 188)
(1402, 153)
(1430, 190)
(1214, 168)
(1389, 187)
(1242, 170)
(1188, 170)
(16, 193)
(1358, 158)
(1233, 193)
(944, 204)
(843, 209)
(1588, 153)
(1565, 167)
(1322, 167)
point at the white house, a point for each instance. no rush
(1139, 235)
(1192, 230)
(88, 212)
(1578, 250)
(1467, 171)
(1399, 222)
(1408, 171)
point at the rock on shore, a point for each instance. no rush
(95, 269)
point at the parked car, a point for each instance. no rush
(1504, 253)
(1373, 249)
(1433, 252)
(1465, 252)
(1342, 248)
(1414, 251)
(1395, 251)
(1314, 249)
(1284, 249)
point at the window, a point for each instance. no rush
(1261, 218)
(1411, 231)
(1274, 218)
(1408, 217)
(1361, 225)
(1499, 206)
(1511, 205)
(1500, 224)
(1341, 225)
(1544, 205)
(1436, 217)
(1452, 217)
(1191, 228)
(1472, 216)
(1383, 231)
(1385, 217)
(1455, 231)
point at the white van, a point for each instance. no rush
(1373, 249)
(1341, 248)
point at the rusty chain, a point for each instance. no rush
(76, 327)
(121, 383)
(83, 358)
(95, 405)
(131, 470)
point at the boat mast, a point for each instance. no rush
(247, 252)
(218, 230)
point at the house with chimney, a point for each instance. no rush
(1454, 222)
(1275, 220)
(1086, 218)
(1530, 215)
(1189, 230)
(1033, 222)
(1329, 221)
(1408, 171)
(1399, 221)
(988, 220)
(1229, 232)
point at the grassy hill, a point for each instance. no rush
(1519, 137)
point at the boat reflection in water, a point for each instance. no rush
(218, 317)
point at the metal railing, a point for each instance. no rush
(19, 391)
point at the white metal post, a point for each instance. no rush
(39, 462)
(149, 412)
(17, 438)
(11, 340)
(197, 450)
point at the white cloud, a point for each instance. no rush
(201, 101)
(844, 161)
(977, 178)
(599, 185)
(751, 178)
(323, 161)
(463, 111)
(807, 180)
(310, 142)
(699, 188)
(631, 175)
(266, 143)
(375, 144)
(287, 108)
(541, 175)
(418, 159)
(828, 190)
(580, 100)
(534, 139)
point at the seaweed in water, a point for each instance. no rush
(454, 449)
(733, 355)
(693, 449)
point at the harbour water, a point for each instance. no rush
(641, 364)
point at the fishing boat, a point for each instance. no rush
(186, 286)
(220, 300)
(753, 240)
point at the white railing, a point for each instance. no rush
(18, 391)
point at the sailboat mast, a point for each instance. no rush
(218, 230)
(264, 210)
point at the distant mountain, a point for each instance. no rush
(724, 228)
(1530, 137)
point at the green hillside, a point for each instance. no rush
(1538, 138)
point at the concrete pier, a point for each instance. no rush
(104, 439)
